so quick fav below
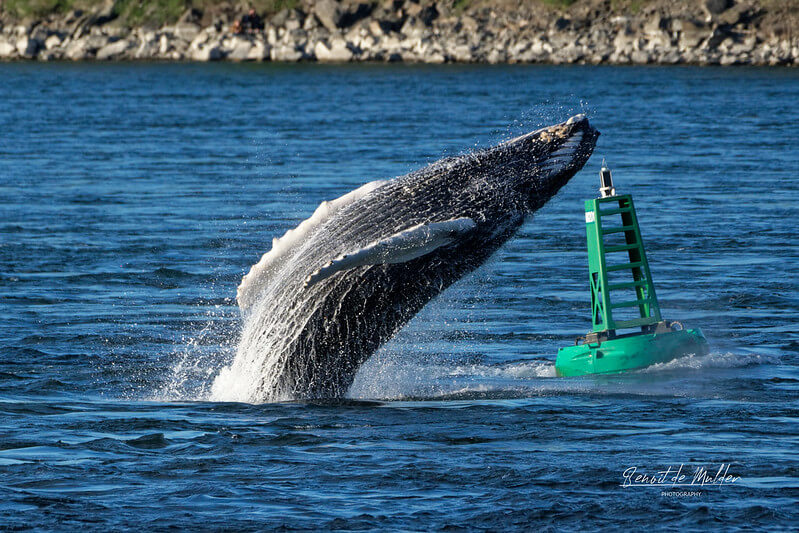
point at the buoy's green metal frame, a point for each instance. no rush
(607, 348)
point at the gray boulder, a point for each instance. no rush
(105, 13)
(280, 18)
(656, 25)
(738, 14)
(212, 52)
(186, 31)
(113, 50)
(96, 41)
(53, 41)
(691, 34)
(27, 46)
(7, 49)
(329, 13)
(640, 57)
(336, 52)
(77, 49)
(241, 50)
(296, 16)
(286, 53)
(259, 51)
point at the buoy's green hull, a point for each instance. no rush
(629, 353)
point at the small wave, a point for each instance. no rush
(296, 439)
(152, 441)
(172, 273)
(713, 360)
(523, 370)
(475, 392)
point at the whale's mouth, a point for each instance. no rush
(551, 156)
(550, 133)
(566, 153)
(558, 147)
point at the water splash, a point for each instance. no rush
(201, 357)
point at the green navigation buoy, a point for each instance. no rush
(628, 331)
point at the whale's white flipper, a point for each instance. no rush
(252, 283)
(401, 247)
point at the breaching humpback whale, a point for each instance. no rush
(343, 282)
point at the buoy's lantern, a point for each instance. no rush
(606, 182)
(628, 331)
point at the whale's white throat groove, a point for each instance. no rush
(341, 283)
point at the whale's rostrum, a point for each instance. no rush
(342, 283)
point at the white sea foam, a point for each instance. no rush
(398, 375)
(713, 360)
(393, 376)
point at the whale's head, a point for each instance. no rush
(546, 159)
(530, 169)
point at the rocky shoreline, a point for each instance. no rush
(714, 32)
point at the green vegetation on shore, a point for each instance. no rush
(133, 12)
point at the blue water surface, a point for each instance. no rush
(134, 197)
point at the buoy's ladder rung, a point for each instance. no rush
(616, 211)
(617, 229)
(633, 303)
(621, 248)
(606, 218)
(624, 266)
(628, 285)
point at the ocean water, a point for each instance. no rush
(134, 197)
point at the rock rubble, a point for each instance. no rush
(716, 32)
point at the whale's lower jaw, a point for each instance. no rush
(332, 291)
